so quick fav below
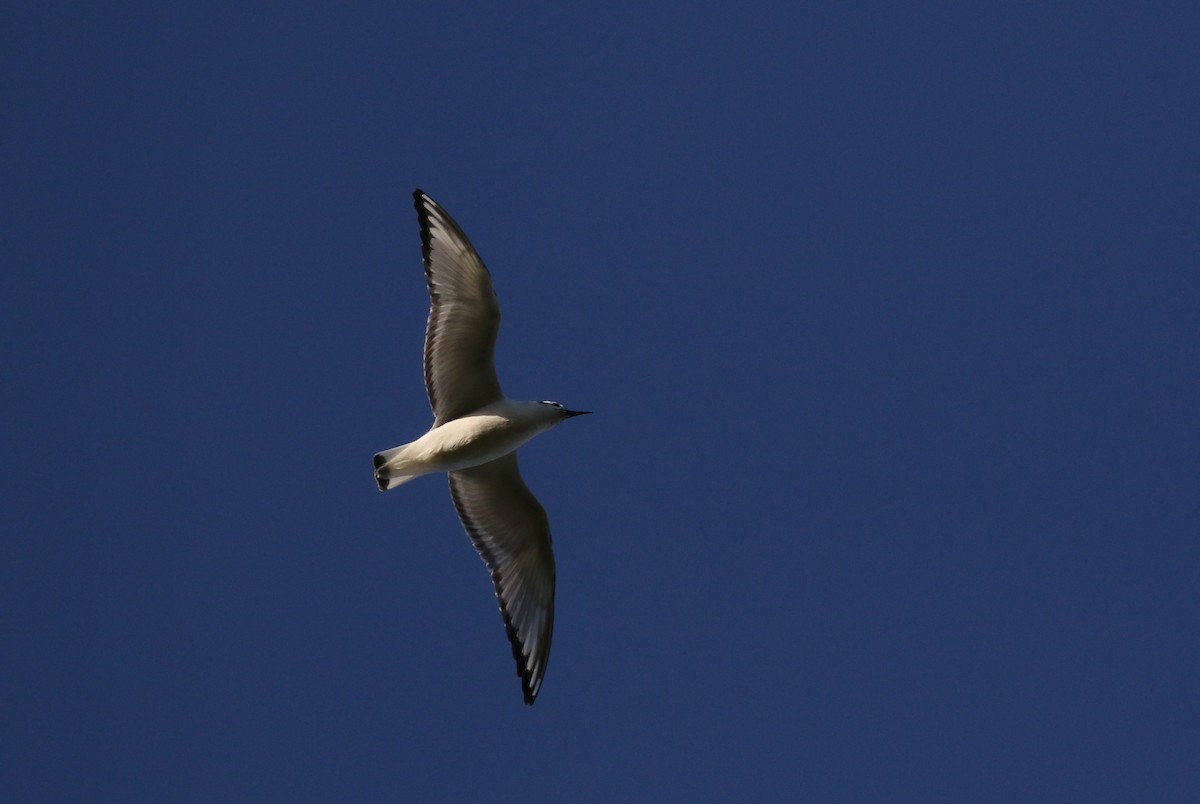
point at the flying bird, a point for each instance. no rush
(475, 435)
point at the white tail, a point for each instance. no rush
(387, 475)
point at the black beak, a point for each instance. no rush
(571, 413)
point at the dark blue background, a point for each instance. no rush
(888, 312)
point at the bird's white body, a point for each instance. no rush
(489, 433)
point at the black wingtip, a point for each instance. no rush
(530, 686)
(423, 203)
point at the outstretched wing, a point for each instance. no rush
(512, 534)
(464, 317)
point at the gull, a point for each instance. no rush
(475, 435)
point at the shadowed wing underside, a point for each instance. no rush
(464, 316)
(512, 534)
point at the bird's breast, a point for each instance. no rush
(472, 440)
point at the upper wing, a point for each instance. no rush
(512, 534)
(464, 317)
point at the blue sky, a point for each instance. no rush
(888, 315)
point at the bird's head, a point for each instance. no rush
(560, 411)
